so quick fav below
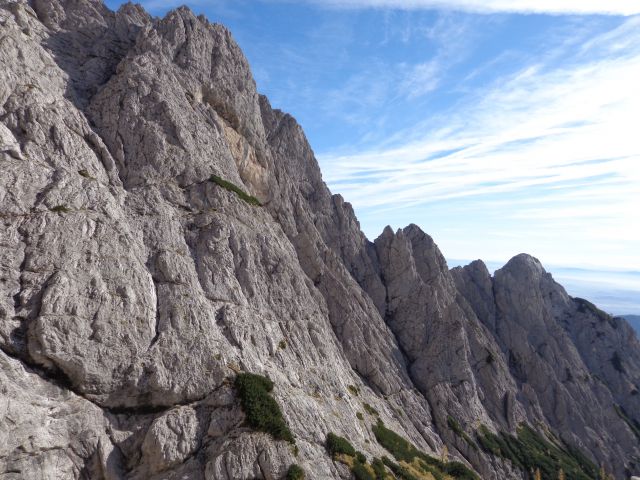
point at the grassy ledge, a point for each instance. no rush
(262, 411)
(341, 450)
(251, 200)
(531, 452)
(415, 464)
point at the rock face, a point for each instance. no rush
(133, 288)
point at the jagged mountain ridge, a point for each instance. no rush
(133, 288)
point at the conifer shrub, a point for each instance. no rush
(336, 445)
(361, 472)
(262, 411)
(378, 468)
(60, 209)
(295, 472)
(405, 451)
(531, 452)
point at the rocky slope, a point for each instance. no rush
(134, 288)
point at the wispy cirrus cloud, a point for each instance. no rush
(553, 146)
(608, 7)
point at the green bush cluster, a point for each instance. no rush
(336, 445)
(400, 472)
(530, 451)
(353, 389)
(457, 429)
(262, 411)
(251, 200)
(378, 468)
(403, 450)
(361, 472)
(295, 472)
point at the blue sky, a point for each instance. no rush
(498, 126)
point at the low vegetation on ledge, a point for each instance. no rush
(262, 411)
(414, 464)
(251, 200)
(536, 455)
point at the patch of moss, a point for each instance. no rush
(295, 472)
(353, 389)
(370, 410)
(530, 451)
(262, 411)
(251, 200)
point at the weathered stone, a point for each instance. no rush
(132, 288)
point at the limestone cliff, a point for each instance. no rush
(164, 228)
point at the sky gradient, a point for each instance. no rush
(498, 126)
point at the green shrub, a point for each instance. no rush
(378, 468)
(353, 389)
(360, 457)
(457, 429)
(403, 450)
(399, 471)
(394, 443)
(460, 471)
(360, 416)
(262, 411)
(370, 410)
(235, 189)
(616, 361)
(60, 209)
(295, 472)
(454, 425)
(361, 472)
(530, 451)
(490, 358)
(336, 445)
(282, 344)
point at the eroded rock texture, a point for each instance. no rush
(132, 288)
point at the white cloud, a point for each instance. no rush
(607, 7)
(551, 147)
